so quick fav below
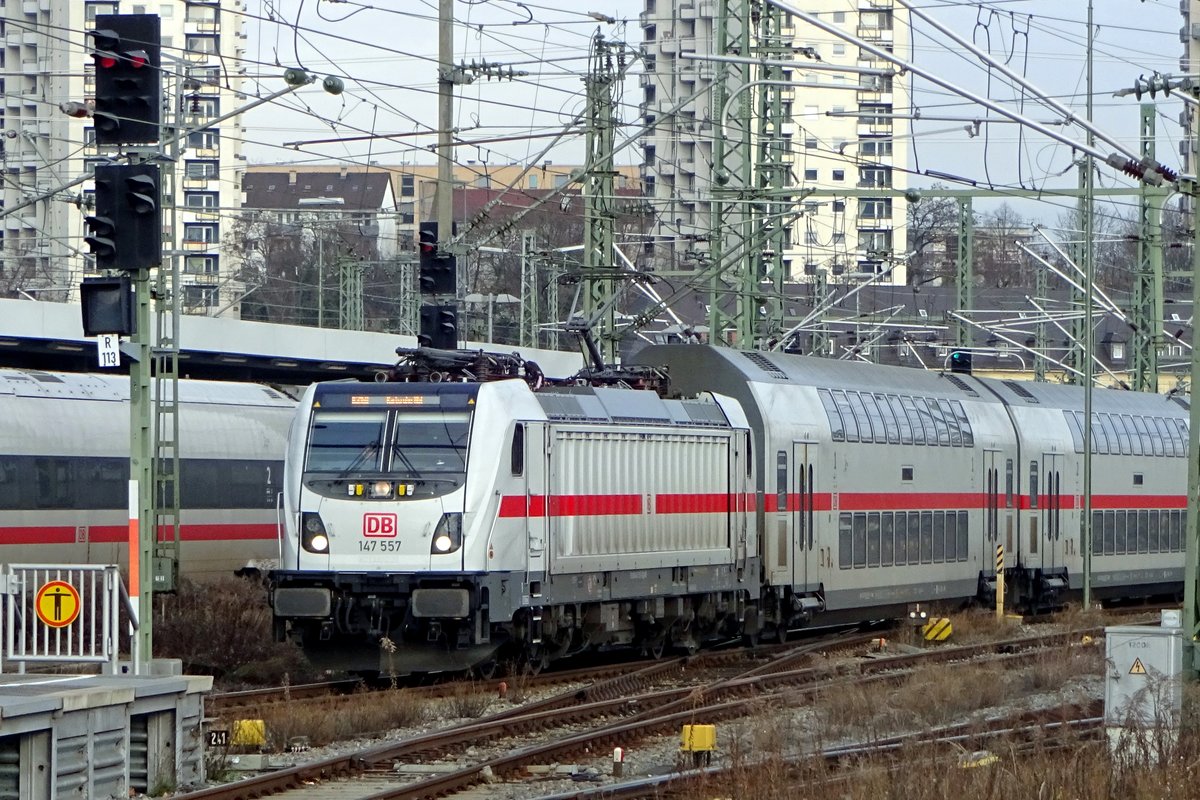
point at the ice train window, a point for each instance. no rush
(889, 419)
(836, 430)
(346, 441)
(914, 419)
(843, 406)
(951, 422)
(964, 425)
(517, 456)
(864, 422)
(1135, 440)
(906, 432)
(1033, 484)
(1073, 422)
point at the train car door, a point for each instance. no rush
(1051, 512)
(535, 455)
(805, 553)
(993, 503)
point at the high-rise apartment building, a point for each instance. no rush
(840, 131)
(46, 64)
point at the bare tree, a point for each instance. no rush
(932, 234)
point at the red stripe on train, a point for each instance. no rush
(119, 534)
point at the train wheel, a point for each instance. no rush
(486, 670)
(535, 660)
(655, 647)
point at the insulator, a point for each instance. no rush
(1167, 173)
(1133, 169)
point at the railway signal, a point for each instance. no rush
(439, 327)
(438, 273)
(127, 53)
(126, 230)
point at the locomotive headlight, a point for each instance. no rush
(313, 537)
(381, 489)
(447, 537)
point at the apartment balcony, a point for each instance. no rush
(877, 35)
(190, 182)
(866, 224)
(687, 10)
(197, 245)
(201, 278)
(207, 152)
(204, 26)
(875, 5)
(668, 44)
(202, 213)
(875, 129)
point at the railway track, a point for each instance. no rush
(618, 710)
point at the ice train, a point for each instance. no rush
(443, 525)
(64, 471)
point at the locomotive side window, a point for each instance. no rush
(430, 442)
(837, 430)
(517, 456)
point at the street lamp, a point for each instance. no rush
(491, 300)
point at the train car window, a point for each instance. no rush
(1109, 533)
(1097, 533)
(1008, 483)
(902, 420)
(1073, 423)
(1033, 484)
(1156, 437)
(1099, 440)
(939, 536)
(901, 557)
(1121, 526)
(926, 537)
(914, 419)
(1118, 423)
(1166, 435)
(865, 433)
(890, 425)
(11, 495)
(345, 441)
(860, 540)
(876, 416)
(517, 454)
(1181, 429)
(1155, 533)
(848, 420)
(962, 535)
(951, 422)
(931, 431)
(951, 536)
(939, 422)
(845, 539)
(964, 424)
(837, 431)
(781, 481)
(749, 455)
(1143, 531)
(1135, 440)
(1110, 431)
(1144, 436)
(1138, 479)
(873, 539)
(1175, 536)
(906, 474)
(54, 483)
(886, 539)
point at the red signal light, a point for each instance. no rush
(106, 60)
(137, 58)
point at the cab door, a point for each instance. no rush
(535, 454)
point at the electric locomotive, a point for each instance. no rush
(434, 526)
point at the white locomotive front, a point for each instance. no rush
(439, 526)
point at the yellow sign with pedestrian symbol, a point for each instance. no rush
(57, 604)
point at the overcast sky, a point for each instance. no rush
(387, 55)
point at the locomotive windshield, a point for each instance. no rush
(416, 449)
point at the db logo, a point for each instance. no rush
(382, 526)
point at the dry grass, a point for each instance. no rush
(319, 723)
